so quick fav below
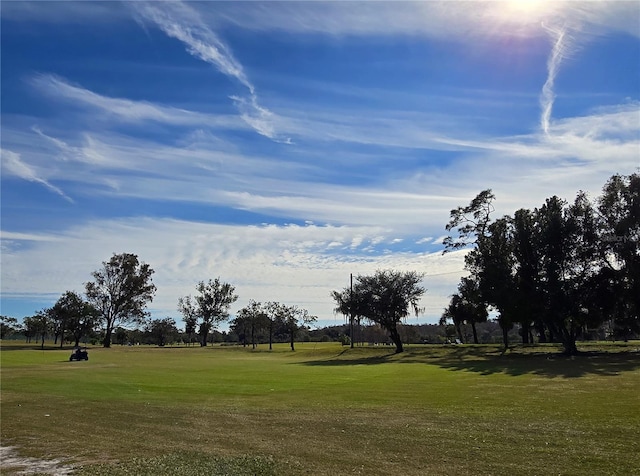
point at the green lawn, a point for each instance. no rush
(325, 409)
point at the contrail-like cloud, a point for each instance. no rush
(561, 46)
(13, 164)
(183, 23)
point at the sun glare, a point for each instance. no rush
(526, 7)
(524, 13)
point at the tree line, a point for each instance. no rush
(118, 296)
(559, 271)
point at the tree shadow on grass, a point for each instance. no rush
(489, 361)
(545, 365)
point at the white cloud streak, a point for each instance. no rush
(553, 65)
(126, 109)
(451, 20)
(12, 164)
(182, 22)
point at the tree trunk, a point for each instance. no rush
(505, 337)
(541, 332)
(395, 337)
(524, 330)
(475, 333)
(253, 336)
(292, 333)
(106, 342)
(459, 331)
(568, 341)
(270, 334)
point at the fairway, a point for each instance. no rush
(326, 409)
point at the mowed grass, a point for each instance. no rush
(326, 409)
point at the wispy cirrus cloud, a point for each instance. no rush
(126, 109)
(182, 22)
(439, 19)
(291, 263)
(12, 164)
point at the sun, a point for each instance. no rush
(524, 14)
(526, 7)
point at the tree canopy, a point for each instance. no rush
(120, 291)
(562, 268)
(386, 298)
(210, 306)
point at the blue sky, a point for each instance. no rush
(284, 145)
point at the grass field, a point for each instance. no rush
(325, 409)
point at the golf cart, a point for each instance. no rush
(79, 354)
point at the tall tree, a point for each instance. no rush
(619, 209)
(473, 226)
(190, 323)
(494, 266)
(30, 328)
(470, 222)
(293, 319)
(555, 259)
(8, 326)
(466, 306)
(386, 298)
(120, 291)
(528, 306)
(74, 314)
(210, 306)
(274, 313)
(40, 324)
(346, 305)
(249, 321)
(455, 312)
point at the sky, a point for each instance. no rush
(283, 146)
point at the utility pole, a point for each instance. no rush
(351, 309)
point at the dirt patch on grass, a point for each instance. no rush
(12, 463)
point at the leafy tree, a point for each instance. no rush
(619, 210)
(273, 312)
(466, 306)
(495, 273)
(8, 326)
(39, 324)
(386, 298)
(190, 323)
(74, 314)
(121, 335)
(29, 326)
(528, 307)
(471, 222)
(456, 313)
(474, 228)
(293, 319)
(211, 306)
(555, 242)
(162, 331)
(120, 291)
(346, 305)
(250, 320)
